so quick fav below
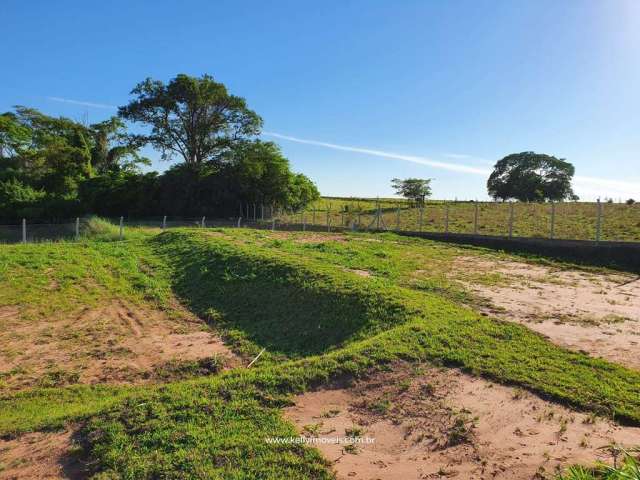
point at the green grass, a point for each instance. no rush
(317, 320)
(574, 220)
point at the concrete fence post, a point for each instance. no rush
(475, 218)
(121, 228)
(359, 220)
(239, 222)
(304, 222)
(511, 209)
(328, 220)
(552, 232)
(446, 217)
(378, 213)
(77, 227)
(398, 219)
(273, 224)
(202, 224)
(164, 222)
(421, 218)
(342, 218)
(24, 230)
(599, 222)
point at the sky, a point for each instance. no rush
(359, 92)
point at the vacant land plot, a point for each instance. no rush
(116, 367)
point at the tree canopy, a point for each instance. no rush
(415, 189)
(57, 167)
(195, 118)
(531, 177)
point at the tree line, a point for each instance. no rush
(55, 167)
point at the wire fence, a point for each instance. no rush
(567, 221)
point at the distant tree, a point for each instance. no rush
(630, 201)
(531, 177)
(416, 189)
(195, 118)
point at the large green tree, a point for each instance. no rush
(194, 118)
(531, 177)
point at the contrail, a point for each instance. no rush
(84, 104)
(595, 186)
(379, 153)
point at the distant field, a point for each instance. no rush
(620, 222)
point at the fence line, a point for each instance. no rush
(567, 221)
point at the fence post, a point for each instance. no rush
(475, 218)
(446, 217)
(359, 220)
(342, 218)
(421, 218)
(202, 222)
(77, 227)
(599, 221)
(273, 224)
(121, 228)
(553, 220)
(24, 230)
(313, 217)
(262, 211)
(239, 222)
(304, 222)
(164, 222)
(511, 219)
(398, 219)
(378, 213)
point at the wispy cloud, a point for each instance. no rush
(380, 153)
(81, 103)
(590, 186)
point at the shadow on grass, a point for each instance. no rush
(271, 301)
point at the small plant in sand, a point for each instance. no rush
(333, 412)
(313, 428)
(626, 466)
(354, 432)
(381, 406)
(460, 432)
(350, 448)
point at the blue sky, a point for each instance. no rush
(359, 92)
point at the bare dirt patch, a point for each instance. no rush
(436, 423)
(118, 342)
(598, 313)
(40, 456)
(360, 273)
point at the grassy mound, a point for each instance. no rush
(216, 428)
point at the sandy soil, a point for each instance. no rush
(430, 423)
(598, 313)
(118, 342)
(40, 456)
